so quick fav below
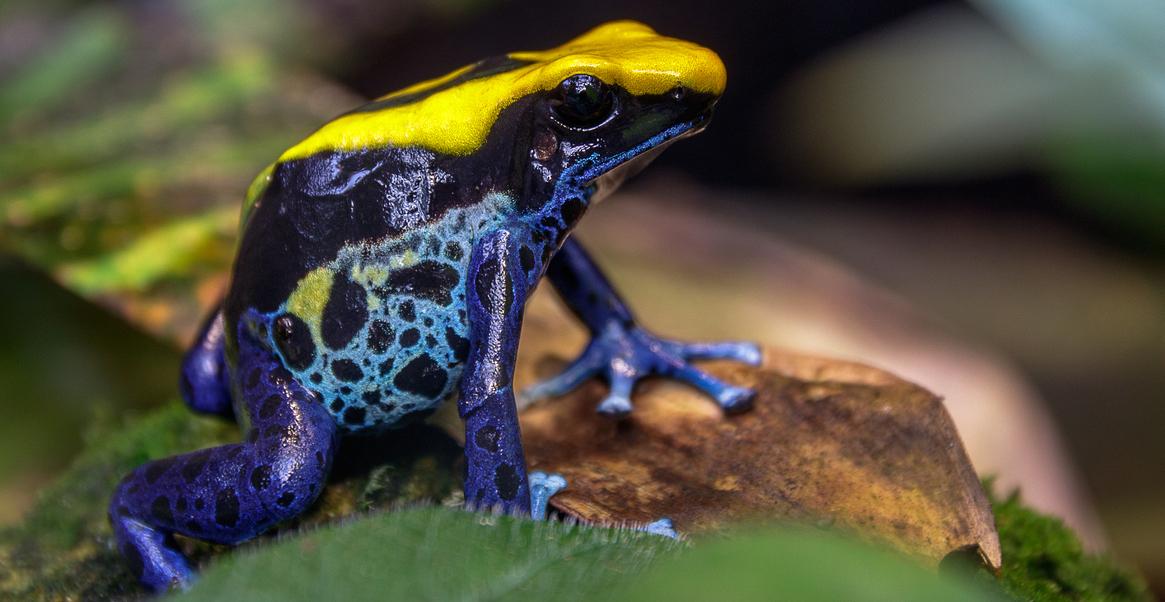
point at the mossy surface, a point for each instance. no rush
(1044, 560)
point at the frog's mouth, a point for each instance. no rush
(605, 177)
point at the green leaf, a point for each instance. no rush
(795, 564)
(436, 554)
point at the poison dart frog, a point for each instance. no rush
(384, 264)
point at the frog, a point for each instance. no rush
(383, 267)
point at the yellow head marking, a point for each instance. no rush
(457, 120)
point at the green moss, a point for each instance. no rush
(1044, 560)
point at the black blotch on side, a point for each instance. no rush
(157, 469)
(432, 280)
(347, 370)
(408, 311)
(410, 337)
(354, 415)
(422, 376)
(337, 405)
(160, 510)
(430, 342)
(194, 466)
(226, 507)
(527, 258)
(386, 367)
(371, 397)
(317, 378)
(269, 407)
(571, 211)
(453, 251)
(506, 480)
(286, 499)
(380, 336)
(293, 339)
(344, 314)
(261, 477)
(487, 437)
(458, 344)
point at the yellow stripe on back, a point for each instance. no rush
(457, 120)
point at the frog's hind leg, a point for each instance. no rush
(204, 373)
(230, 493)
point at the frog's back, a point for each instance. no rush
(352, 267)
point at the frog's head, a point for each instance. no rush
(612, 99)
(581, 116)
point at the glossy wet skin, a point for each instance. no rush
(384, 265)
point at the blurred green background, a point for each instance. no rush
(996, 164)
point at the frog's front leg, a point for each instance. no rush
(230, 493)
(496, 291)
(621, 351)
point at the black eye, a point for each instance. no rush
(582, 102)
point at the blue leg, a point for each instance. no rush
(230, 493)
(622, 352)
(204, 383)
(542, 487)
(496, 292)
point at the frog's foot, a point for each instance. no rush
(662, 527)
(624, 354)
(542, 487)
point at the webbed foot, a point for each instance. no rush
(662, 527)
(624, 354)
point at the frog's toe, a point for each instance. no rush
(152, 556)
(662, 527)
(730, 397)
(618, 402)
(740, 351)
(566, 381)
(542, 487)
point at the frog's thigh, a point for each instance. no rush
(230, 493)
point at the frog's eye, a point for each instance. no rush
(582, 102)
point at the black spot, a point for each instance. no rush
(571, 211)
(337, 405)
(181, 505)
(286, 499)
(354, 415)
(199, 504)
(280, 377)
(293, 339)
(133, 557)
(422, 376)
(157, 469)
(458, 344)
(317, 378)
(408, 311)
(549, 223)
(371, 397)
(410, 337)
(527, 258)
(160, 510)
(253, 378)
(193, 526)
(269, 407)
(488, 274)
(226, 507)
(347, 370)
(386, 367)
(320, 458)
(506, 480)
(380, 336)
(428, 321)
(432, 280)
(430, 342)
(261, 477)
(345, 390)
(345, 313)
(453, 251)
(487, 438)
(194, 465)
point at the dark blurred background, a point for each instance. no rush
(997, 165)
